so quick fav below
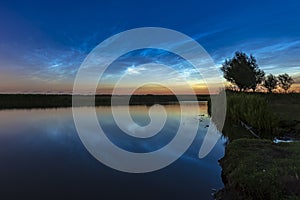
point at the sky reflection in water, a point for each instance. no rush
(41, 155)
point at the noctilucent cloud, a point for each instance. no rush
(43, 43)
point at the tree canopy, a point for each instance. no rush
(270, 82)
(285, 81)
(242, 71)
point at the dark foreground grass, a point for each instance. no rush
(259, 169)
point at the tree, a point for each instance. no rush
(285, 81)
(270, 82)
(242, 71)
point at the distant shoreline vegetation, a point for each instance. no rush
(23, 101)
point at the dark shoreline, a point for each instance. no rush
(27, 101)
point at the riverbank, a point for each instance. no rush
(268, 115)
(287, 108)
(259, 169)
(255, 168)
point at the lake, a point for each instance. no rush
(42, 156)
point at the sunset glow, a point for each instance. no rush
(41, 52)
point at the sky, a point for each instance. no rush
(43, 43)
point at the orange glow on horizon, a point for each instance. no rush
(157, 90)
(10, 85)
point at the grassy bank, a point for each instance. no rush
(268, 115)
(253, 109)
(287, 108)
(260, 169)
(15, 101)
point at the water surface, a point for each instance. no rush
(41, 156)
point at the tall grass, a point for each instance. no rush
(251, 109)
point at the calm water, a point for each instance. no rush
(41, 156)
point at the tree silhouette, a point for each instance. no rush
(270, 82)
(242, 71)
(285, 81)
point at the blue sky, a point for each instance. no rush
(43, 43)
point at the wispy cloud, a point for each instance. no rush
(274, 56)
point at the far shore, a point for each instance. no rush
(27, 101)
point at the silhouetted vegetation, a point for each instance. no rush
(243, 71)
(259, 169)
(34, 101)
(14, 101)
(253, 110)
(270, 83)
(285, 81)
